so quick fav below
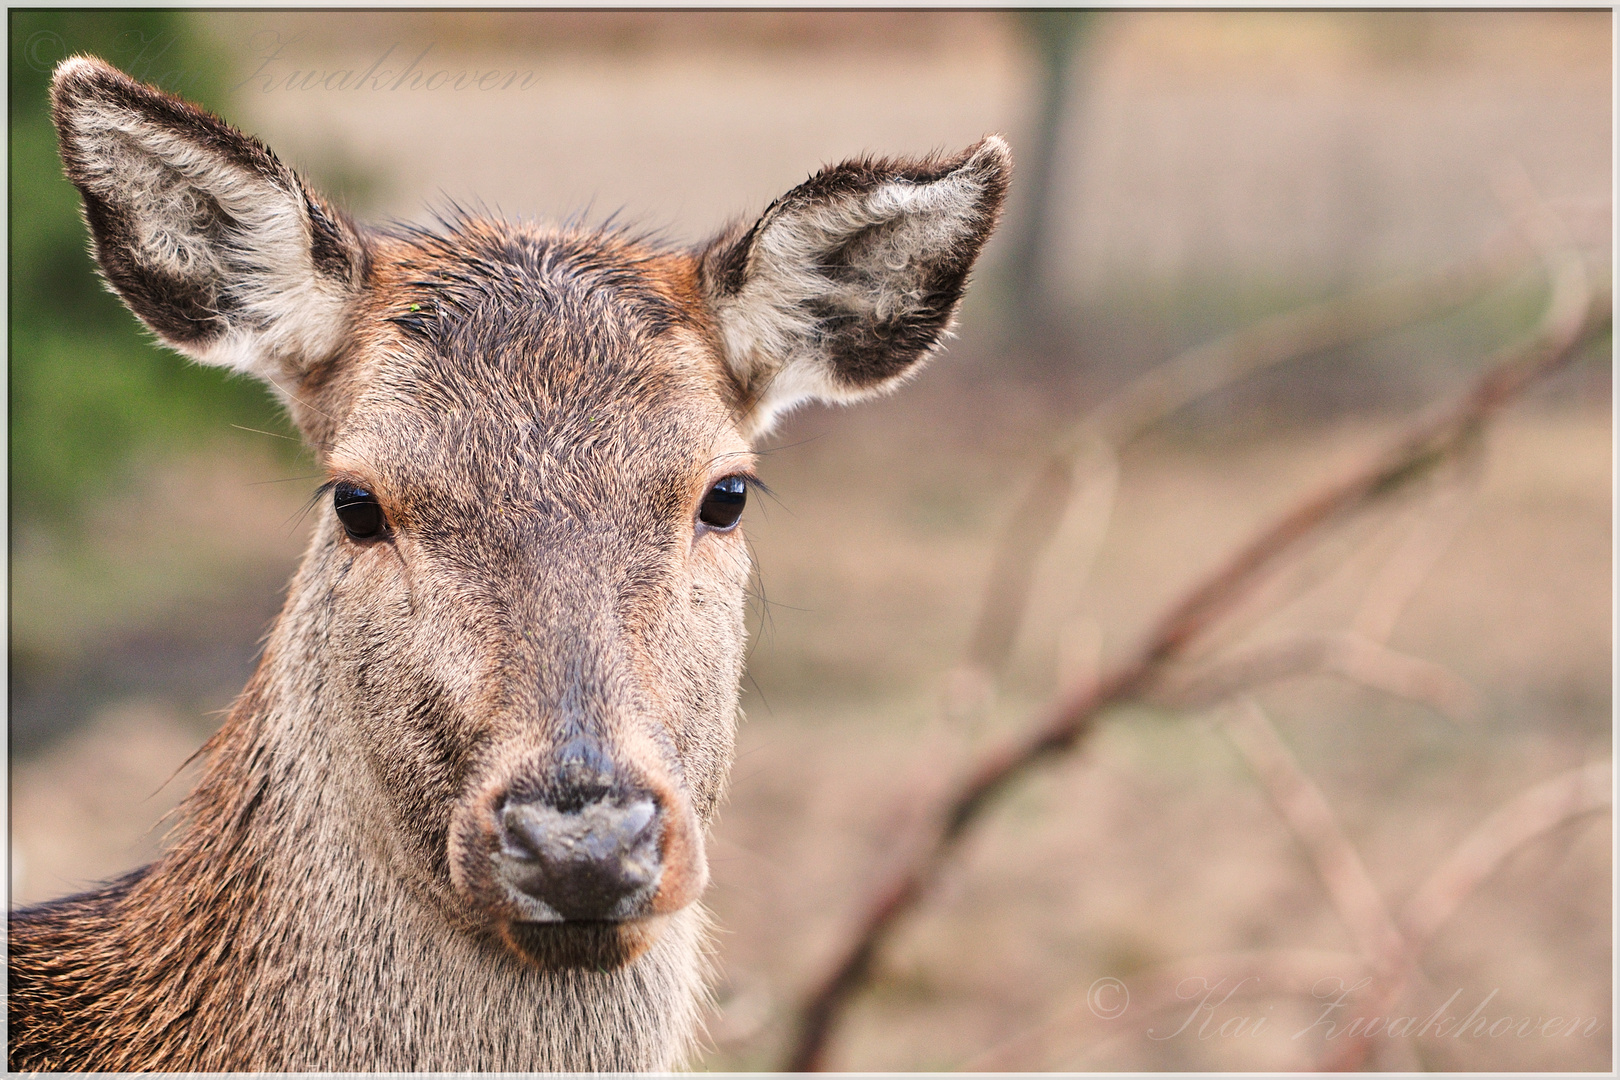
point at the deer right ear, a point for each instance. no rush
(216, 245)
(852, 278)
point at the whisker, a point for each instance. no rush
(284, 480)
(257, 431)
(791, 445)
(763, 700)
(300, 400)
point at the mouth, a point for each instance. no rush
(581, 945)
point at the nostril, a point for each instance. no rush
(599, 861)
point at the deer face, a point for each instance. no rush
(538, 630)
(522, 611)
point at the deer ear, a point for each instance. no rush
(216, 245)
(852, 278)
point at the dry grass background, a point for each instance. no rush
(1316, 148)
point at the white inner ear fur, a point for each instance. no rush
(766, 327)
(285, 314)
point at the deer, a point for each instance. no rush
(457, 818)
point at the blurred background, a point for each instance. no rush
(1180, 175)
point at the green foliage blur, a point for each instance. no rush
(90, 391)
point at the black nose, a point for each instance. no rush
(596, 860)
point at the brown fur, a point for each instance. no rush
(539, 413)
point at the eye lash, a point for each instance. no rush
(318, 494)
(310, 503)
(753, 482)
(746, 475)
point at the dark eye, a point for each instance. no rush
(359, 511)
(724, 503)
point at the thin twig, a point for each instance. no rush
(1572, 313)
(1171, 985)
(1296, 972)
(1337, 560)
(1185, 378)
(1405, 571)
(1356, 316)
(1343, 653)
(1306, 811)
(1084, 460)
(1533, 813)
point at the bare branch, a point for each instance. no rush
(1572, 313)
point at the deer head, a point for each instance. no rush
(518, 631)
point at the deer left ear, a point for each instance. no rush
(851, 279)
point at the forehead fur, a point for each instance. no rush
(494, 338)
